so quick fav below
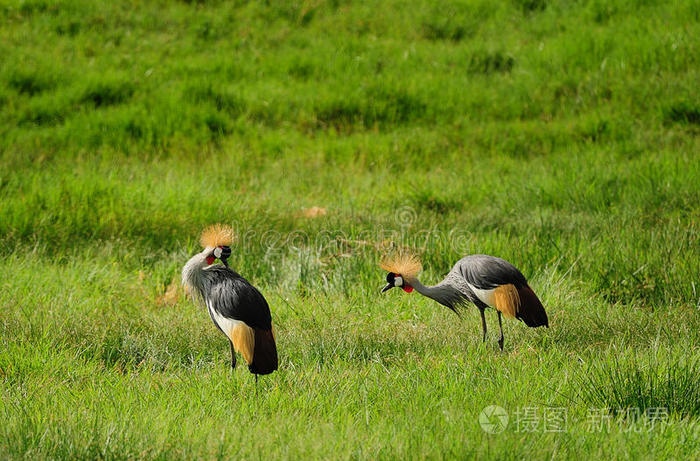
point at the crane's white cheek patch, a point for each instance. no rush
(398, 281)
(485, 296)
(217, 252)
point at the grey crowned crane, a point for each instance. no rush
(485, 281)
(235, 306)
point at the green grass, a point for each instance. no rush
(560, 135)
(663, 382)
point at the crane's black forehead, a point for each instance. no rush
(390, 277)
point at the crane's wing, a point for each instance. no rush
(235, 298)
(488, 272)
(499, 284)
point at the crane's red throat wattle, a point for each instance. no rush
(407, 288)
(210, 260)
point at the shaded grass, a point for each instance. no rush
(683, 112)
(657, 382)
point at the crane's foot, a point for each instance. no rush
(500, 344)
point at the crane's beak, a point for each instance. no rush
(388, 286)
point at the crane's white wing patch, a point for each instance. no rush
(227, 325)
(485, 296)
(241, 335)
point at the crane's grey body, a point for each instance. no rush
(194, 276)
(199, 280)
(470, 277)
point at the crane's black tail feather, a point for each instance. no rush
(531, 310)
(264, 354)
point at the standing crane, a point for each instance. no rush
(235, 306)
(486, 281)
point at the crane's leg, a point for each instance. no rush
(256, 385)
(500, 327)
(233, 356)
(483, 324)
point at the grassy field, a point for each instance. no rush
(560, 135)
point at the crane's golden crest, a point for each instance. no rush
(216, 236)
(404, 264)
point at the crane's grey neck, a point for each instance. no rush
(193, 273)
(446, 292)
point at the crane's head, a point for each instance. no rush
(402, 269)
(216, 240)
(221, 253)
(395, 280)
